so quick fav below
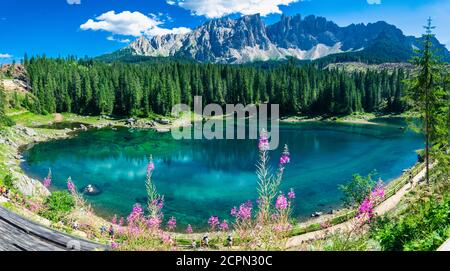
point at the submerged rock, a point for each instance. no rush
(91, 190)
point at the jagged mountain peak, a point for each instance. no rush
(246, 39)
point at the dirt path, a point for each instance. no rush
(381, 209)
(58, 117)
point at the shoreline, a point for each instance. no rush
(37, 135)
(368, 119)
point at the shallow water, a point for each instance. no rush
(200, 178)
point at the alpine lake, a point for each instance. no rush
(201, 178)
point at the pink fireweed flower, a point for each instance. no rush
(245, 211)
(189, 229)
(114, 245)
(166, 238)
(224, 226)
(172, 223)
(70, 185)
(234, 211)
(378, 192)
(291, 194)
(213, 222)
(285, 157)
(281, 203)
(366, 209)
(121, 221)
(136, 214)
(150, 166)
(248, 204)
(158, 203)
(263, 144)
(153, 223)
(48, 180)
(114, 220)
(282, 227)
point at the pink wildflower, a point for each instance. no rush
(136, 214)
(166, 238)
(244, 212)
(282, 227)
(172, 223)
(153, 223)
(291, 194)
(285, 157)
(224, 226)
(70, 185)
(114, 220)
(281, 203)
(150, 167)
(158, 203)
(234, 211)
(48, 180)
(213, 222)
(114, 245)
(366, 209)
(263, 144)
(189, 229)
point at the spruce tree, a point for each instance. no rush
(428, 97)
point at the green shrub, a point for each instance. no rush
(423, 227)
(357, 190)
(6, 121)
(58, 205)
(8, 181)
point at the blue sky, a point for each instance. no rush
(94, 27)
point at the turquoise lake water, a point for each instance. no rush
(200, 178)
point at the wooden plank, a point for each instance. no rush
(13, 239)
(40, 237)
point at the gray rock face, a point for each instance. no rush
(247, 39)
(26, 131)
(29, 186)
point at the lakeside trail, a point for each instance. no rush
(58, 117)
(386, 206)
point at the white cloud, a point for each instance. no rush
(157, 31)
(374, 2)
(74, 2)
(125, 23)
(5, 56)
(112, 38)
(219, 8)
(129, 24)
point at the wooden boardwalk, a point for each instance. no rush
(19, 234)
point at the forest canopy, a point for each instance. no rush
(92, 87)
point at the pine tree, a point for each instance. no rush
(428, 97)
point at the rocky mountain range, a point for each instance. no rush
(248, 39)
